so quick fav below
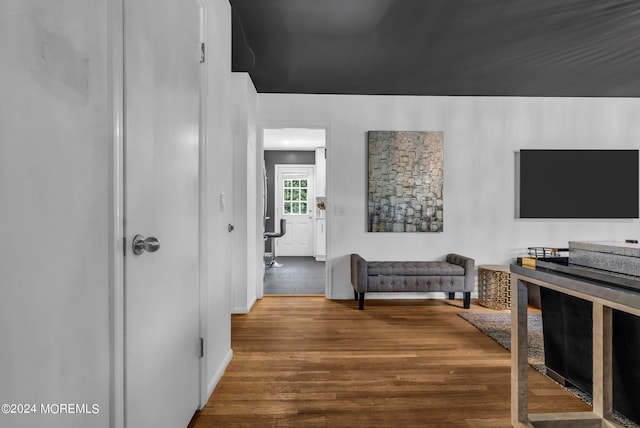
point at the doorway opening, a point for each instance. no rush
(295, 177)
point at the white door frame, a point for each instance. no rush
(328, 287)
(115, 40)
(117, 227)
(203, 204)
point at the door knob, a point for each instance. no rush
(141, 244)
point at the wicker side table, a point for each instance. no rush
(494, 286)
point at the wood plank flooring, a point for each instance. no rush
(312, 362)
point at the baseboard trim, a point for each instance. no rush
(251, 303)
(218, 375)
(244, 309)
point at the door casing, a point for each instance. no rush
(262, 125)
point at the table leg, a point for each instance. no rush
(602, 360)
(519, 350)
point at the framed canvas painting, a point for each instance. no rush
(405, 181)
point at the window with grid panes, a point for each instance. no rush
(295, 197)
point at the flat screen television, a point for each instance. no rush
(596, 184)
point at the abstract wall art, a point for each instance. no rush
(405, 181)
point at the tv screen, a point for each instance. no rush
(599, 184)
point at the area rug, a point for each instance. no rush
(498, 327)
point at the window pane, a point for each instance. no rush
(295, 196)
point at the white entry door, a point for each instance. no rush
(162, 109)
(295, 203)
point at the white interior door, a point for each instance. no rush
(162, 105)
(294, 202)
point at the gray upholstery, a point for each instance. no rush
(413, 268)
(469, 266)
(359, 273)
(448, 284)
(455, 274)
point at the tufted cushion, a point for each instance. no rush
(416, 283)
(413, 269)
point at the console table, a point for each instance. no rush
(604, 298)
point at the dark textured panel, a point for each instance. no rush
(440, 47)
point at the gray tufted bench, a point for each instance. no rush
(456, 274)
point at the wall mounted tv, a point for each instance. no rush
(597, 184)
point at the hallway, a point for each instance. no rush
(297, 275)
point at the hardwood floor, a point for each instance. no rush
(312, 362)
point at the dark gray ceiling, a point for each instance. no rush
(440, 47)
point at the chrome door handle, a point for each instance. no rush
(141, 244)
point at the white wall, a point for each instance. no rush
(54, 219)
(481, 135)
(246, 170)
(217, 322)
(56, 145)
